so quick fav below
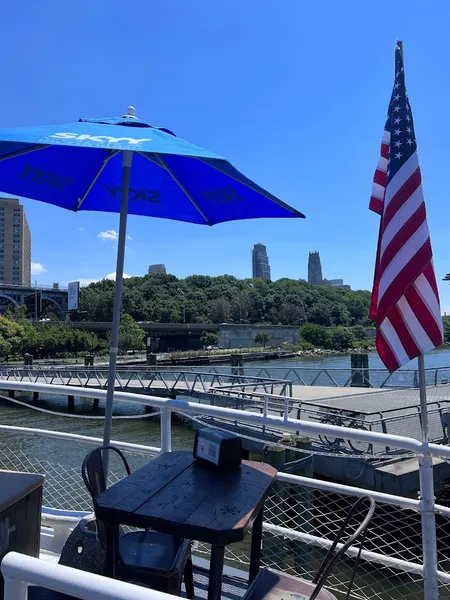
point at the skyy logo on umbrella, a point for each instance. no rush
(102, 164)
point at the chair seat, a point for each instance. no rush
(150, 550)
(272, 585)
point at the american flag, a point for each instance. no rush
(405, 299)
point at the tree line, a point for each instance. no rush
(226, 299)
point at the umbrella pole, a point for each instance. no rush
(126, 171)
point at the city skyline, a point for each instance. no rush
(257, 129)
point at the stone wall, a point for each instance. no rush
(235, 336)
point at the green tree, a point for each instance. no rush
(446, 322)
(131, 336)
(359, 333)
(209, 338)
(341, 338)
(262, 337)
(316, 335)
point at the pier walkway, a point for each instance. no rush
(388, 410)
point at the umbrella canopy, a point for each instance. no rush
(125, 165)
(79, 167)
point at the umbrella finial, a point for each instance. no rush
(131, 111)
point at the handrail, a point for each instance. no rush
(75, 437)
(20, 570)
(285, 424)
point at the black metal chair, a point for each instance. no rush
(272, 585)
(155, 559)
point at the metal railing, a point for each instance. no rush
(173, 381)
(302, 513)
(20, 570)
(313, 376)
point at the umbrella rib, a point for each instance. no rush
(25, 151)
(180, 185)
(96, 176)
(273, 199)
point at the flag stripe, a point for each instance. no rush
(403, 174)
(400, 197)
(423, 314)
(385, 352)
(392, 339)
(401, 216)
(403, 333)
(408, 252)
(403, 235)
(404, 279)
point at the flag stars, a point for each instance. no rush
(398, 155)
(397, 131)
(409, 141)
(397, 144)
(408, 129)
(397, 97)
(396, 108)
(396, 86)
(397, 120)
(408, 118)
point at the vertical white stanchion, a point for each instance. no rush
(15, 589)
(166, 430)
(427, 512)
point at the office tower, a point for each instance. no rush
(260, 261)
(157, 270)
(314, 269)
(15, 243)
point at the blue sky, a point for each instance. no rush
(293, 93)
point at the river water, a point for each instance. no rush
(146, 430)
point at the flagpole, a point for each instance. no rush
(427, 510)
(426, 479)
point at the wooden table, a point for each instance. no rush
(178, 495)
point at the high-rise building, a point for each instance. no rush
(15, 243)
(260, 261)
(314, 269)
(157, 270)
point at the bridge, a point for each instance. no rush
(52, 299)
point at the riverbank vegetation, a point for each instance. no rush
(225, 299)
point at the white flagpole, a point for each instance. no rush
(429, 550)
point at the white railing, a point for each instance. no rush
(285, 423)
(19, 571)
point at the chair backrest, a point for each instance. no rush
(333, 555)
(93, 474)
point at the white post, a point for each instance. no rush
(166, 430)
(429, 550)
(15, 589)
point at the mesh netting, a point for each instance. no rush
(314, 518)
(299, 523)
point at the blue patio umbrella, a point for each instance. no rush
(125, 165)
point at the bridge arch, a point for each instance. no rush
(9, 299)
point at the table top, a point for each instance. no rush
(179, 495)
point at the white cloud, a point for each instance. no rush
(86, 281)
(111, 235)
(37, 268)
(112, 276)
(80, 228)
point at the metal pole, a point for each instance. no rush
(427, 511)
(166, 430)
(126, 171)
(35, 301)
